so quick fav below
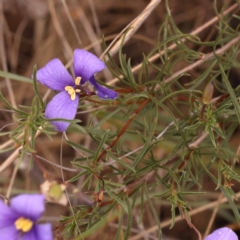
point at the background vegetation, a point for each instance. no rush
(160, 161)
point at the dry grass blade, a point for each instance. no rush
(195, 32)
(95, 18)
(3, 57)
(67, 47)
(14, 155)
(92, 36)
(204, 59)
(179, 218)
(213, 215)
(133, 27)
(10, 159)
(71, 22)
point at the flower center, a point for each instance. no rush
(73, 90)
(23, 224)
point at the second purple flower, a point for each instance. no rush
(19, 221)
(223, 233)
(55, 76)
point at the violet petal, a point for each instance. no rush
(7, 215)
(101, 91)
(224, 233)
(54, 75)
(86, 64)
(31, 235)
(39, 232)
(61, 106)
(43, 231)
(9, 233)
(28, 205)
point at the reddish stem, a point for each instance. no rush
(123, 129)
(113, 103)
(185, 160)
(124, 90)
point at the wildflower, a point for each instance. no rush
(18, 222)
(224, 233)
(56, 77)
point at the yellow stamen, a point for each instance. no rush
(77, 81)
(68, 88)
(71, 92)
(23, 224)
(77, 90)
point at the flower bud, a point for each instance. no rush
(208, 93)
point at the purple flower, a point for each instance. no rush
(56, 77)
(224, 233)
(18, 222)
